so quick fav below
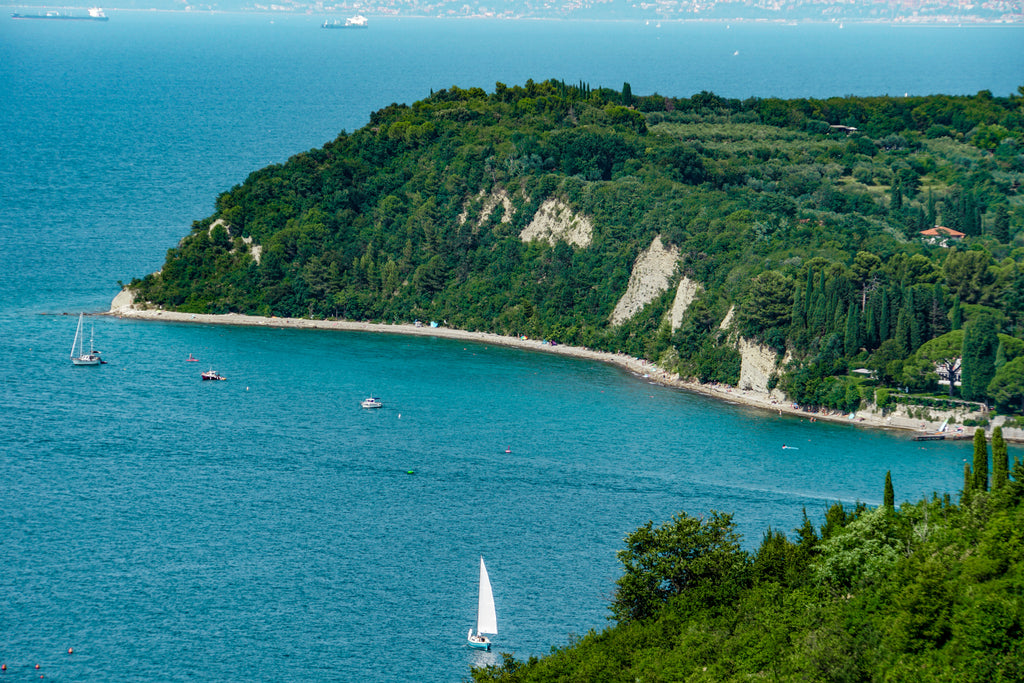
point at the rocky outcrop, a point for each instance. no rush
(651, 276)
(757, 365)
(686, 292)
(491, 202)
(727, 320)
(555, 221)
(123, 302)
(254, 249)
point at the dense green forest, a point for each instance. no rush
(926, 591)
(803, 216)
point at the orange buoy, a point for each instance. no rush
(37, 666)
(70, 650)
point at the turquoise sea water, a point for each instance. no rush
(267, 528)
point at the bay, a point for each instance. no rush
(268, 528)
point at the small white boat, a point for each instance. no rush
(79, 356)
(358, 21)
(486, 618)
(212, 374)
(371, 402)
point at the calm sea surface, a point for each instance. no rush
(267, 528)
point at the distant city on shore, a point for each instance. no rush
(941, 12)
(903, 11)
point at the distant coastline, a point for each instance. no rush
(387, 13)
(123, 307)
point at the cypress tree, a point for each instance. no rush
(965, 496)
(1001, 223)
(980, 461)
(917, 334)
(799, 321)
(808, 295)
(895, 196)
(930, 218)
(956, 315)
(979, 358)
(839, 319)
(884, 331)
(870, 323)
(903, 330)
(889, 498)
(851, 340)
(819, 318)
(938, 321)
(1000, 460)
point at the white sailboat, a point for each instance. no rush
(486, 618)
(79, 356)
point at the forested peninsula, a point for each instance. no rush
(871, 246)
(869, 250)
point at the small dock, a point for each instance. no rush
(943, 436)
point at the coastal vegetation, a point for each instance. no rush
(582, 215)
(925, 591)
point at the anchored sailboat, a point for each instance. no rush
(486, 619)
(79, 356)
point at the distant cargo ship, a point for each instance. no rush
(95, 14)
(357, 21)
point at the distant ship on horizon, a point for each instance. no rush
(95, 14)
(358, 21)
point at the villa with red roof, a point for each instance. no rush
(941, 235)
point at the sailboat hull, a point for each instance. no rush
(86, 360)
(486, 645)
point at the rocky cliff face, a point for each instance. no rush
(555, 221)
(757, 366)
(651, 276)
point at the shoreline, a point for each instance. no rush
(766, 401)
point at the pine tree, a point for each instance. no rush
(980, 461)
(1000, 459)
(889, 498)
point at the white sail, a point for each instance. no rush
(486, 619)
(76, 346)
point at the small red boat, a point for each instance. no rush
(190, 359)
